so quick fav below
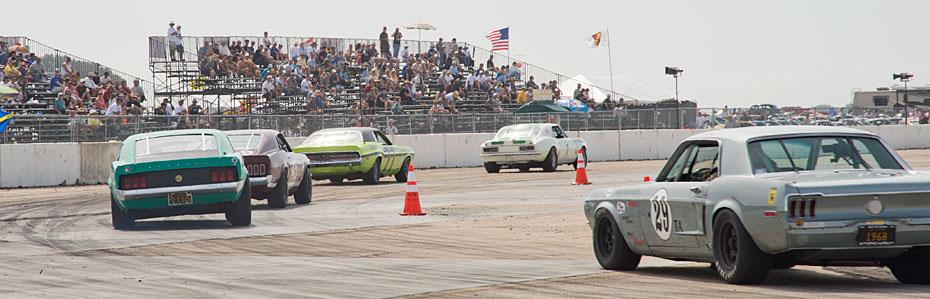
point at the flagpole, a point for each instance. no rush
(610, 63)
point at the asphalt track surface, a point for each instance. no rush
(507, 235)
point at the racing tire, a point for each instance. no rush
(304, 193)
(335, 180)
(492, 167)
(240, 214)
(610, 248)
(121, 220)
(738, 259)
(584, 153)
(551, 162)
(278, 197)
(374, 174)
(401, 175)
(912, 267)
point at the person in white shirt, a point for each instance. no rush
(89, 81)
(180, 109)
(268, 89)
(116, 108)
(405, 53)
(266, 40)
(105, 79)
(391, 130)
(172, 39)
(470, 81)
(305, 85)
(224, 49)
(294, 52)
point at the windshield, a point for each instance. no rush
(334, 137)
(176, 144)
(819, 153)
(244, 142)
(517, 132)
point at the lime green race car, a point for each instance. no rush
(355, 153)
(178, 172)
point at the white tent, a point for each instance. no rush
(568, 88)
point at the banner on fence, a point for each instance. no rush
(542, 95)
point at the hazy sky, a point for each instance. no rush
(734, 53)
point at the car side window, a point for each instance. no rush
(671, 173)
(557, 132)
(704, 164)
(282, 144)
(382, 139)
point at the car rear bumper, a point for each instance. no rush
(261, 181)
(837, 240)
(156, 198)
(513, 157)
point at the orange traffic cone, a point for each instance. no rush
(581, 177)
(412, 198)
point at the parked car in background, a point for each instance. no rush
(275, 171)
(178, 172)
(531, 145)
(753, 199)
(355, 153)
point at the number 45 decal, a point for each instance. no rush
(661, 214)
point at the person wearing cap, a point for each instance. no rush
(10, 71)
(173, 40)
(56, 84)
(60, 104)
(391, 130)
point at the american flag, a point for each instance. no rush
(500, 39)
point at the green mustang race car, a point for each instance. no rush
(355, 153)
(180, 172)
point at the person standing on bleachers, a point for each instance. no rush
(66, 69)
(397, 36)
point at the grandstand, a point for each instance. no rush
(39, 100)
(235, 93)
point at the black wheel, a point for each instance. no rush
(610, 248)
(584, 153)
(304, 193)
(524, 168)
(551, 162)
(278, 197)
(401, 176)
(121, 220)
(373, 175)
(240, 214)
(336, 180)
(912, 267)
(492, 167)
(738, 259)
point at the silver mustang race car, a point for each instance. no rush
(753, 199)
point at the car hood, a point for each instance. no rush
(856, 181)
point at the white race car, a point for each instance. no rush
(531, 145)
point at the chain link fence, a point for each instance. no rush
(57, 128)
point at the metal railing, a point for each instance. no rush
(52, 58)
(56, 128)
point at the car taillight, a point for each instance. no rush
(527, 148)
(222, 175)
(490, 150)
(802, 207)
(132, 181)
(257, 169)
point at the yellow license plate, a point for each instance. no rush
(871, 235)
(181, 198)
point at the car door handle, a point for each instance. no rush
(695, 189)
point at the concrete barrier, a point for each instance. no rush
(33, 165)
(95, 161)
(41, 164)
(602, 145)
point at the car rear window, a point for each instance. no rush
(819, 153)
(150, 146)
(334, 137)
(517, 132)
(245, 141)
